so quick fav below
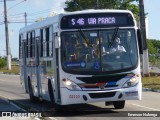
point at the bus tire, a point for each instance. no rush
(119, 104)
(33, 99)
(57, 107)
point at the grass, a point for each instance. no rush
(152, 82)
(14, 70)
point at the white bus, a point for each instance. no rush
(67, 59)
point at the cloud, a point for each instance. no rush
(147, 5)
(38, 3)
(59, 6)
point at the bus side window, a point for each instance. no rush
(33, 44)
(41, 43)
(50, 42)
(44, 42)
(20, 45)
(28, 45)
(47, 42)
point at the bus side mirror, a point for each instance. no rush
(57, 41)
(140, 42)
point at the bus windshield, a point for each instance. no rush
(93, 51)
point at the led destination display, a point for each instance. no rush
(96, 20)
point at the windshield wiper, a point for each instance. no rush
(84, 37)
(114, 36)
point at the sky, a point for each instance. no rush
(43, 8)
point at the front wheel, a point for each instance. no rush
(119, 104)
(56, 106)
(31, 95)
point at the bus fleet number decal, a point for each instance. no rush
(74, 96)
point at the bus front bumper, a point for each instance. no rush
(77, 97)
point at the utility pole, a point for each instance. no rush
(97, 6)
(8, 53)
(145, 66)
(25, 15)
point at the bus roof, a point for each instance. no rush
(98, 11)
(56, 19)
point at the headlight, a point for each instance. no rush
(131, 82)
(71, 85)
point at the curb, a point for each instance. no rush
(150, 89)
(4, 73)
(16, 106)
(13, 104)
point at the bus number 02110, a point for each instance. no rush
(74, 96)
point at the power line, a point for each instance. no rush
(20, 19)
(1, 23)
(38, 12)
(16, 14)
(13, 17)
(15, 5)
(11, 6)
(7, 0)
(21, 22)
(44, 11)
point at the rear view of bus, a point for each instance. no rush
(98, 58)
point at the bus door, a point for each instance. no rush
(56, 68)
(38, 67)
(24, 46)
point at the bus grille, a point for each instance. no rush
(97, 79)
(102, 95)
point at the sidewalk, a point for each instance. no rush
(5, 105)
(7, 108)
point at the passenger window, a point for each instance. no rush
(28, 45)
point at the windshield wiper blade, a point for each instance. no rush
(114, 36)
(84, 37)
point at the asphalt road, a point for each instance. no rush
(10, 88)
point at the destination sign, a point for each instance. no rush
(93, 21)
(96, 20)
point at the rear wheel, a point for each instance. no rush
(119, 104)
(31, 95)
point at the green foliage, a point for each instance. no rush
(151, 82)
(14, 70)
(75, 5)
(39, 19)
(153, 48)
(2, 62)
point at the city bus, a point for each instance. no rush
(61, 62)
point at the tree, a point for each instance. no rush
(74, 5)
(39, 19)
(3, 62)
(153, 50)
(151, 47)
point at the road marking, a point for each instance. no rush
(146, 107)
(52, 118)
